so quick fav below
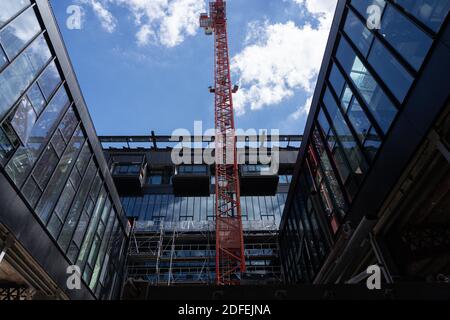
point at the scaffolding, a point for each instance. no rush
(171, 257)
(171, 254)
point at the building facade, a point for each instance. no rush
(173, 206)
(58, 203)
(371, 184)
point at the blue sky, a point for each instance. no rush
(144, 65)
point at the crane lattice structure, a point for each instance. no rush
(230, 258)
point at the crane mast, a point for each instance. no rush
(230, 258)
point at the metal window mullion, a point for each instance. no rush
(408, 67)
(48, 142)
(349, 123)
(2, 50)
(92, 158)
(5, 117)
(336, 172)
(361, 101)
(100, 244)
(326, 182)
(11, 19)
(338, 140)
(37, 161)
(41, 152)
(107, 246)
(413, 19)
(83, 267)
(53, 174)
(372, 71)
(76, 191)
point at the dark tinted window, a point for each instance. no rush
(430, 12)
(411, 42)
(397, 79)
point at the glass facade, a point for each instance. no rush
(370, 75)
(168, 208)
(46, 153)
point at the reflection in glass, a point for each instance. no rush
(358, 33)
(378, 103)
(390, 71)
(9, 8)
(18, 75)
(430, 12)
(359, 120)
(19, 32)
(36, 98)
(3, 59)
(49, 80)
(24, 120)
(58, 180)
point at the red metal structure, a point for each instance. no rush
(230, 259)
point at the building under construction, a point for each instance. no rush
(172, 209)
(368, 183)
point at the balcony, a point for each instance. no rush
(129, 173)
(191, 180)
(258, 180)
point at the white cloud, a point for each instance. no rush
(281, 59)
(145, 35)
(107, 20)
(159, 22)
(302, 110)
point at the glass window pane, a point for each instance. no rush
(411, 42)
(372, 144)
(336, 80)
(6, 147)
(9, 8)
(45, 166)
(81, 229)
(104, 245)
(51, 113)
(31, 191)
(49, 80)
(18, 75)
(357, 31)
(359, 120)
(58, 180)
(77, 207)
(68, 124)
(344, 135)
(36, 98)
(346, 97)
(75, 178)
(3, 59)
(65, 201)
(25, 157)
(323, 123)
(19, 32)
(24, 120)
(83, 158)
(430, 12)
(390, 70)
(58, 143)
(87, 242)
(54, 226)
(378, 103)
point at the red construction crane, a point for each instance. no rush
(230, 258)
